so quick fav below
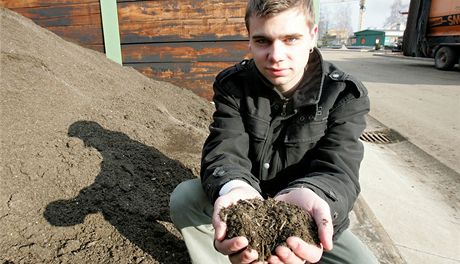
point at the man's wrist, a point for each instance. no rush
(288, 190)
(226, 188)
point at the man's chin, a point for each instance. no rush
(279, 81)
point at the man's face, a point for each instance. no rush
(280, 46)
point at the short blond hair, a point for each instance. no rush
(267, 8)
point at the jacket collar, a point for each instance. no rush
(310, 87)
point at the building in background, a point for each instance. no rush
(372, 38)
(368, 38)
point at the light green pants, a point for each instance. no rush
(191, 213)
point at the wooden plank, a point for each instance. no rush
(201, 87)
(91, 19)
(58, 10)
(79, 23)
(183, 70)
(146, 11)
(183, 30)
(181, 20)
(122, 1)
(185, 52)
(96, 47)
(41, 3)
(88, 14)
(196, 76)
(84, 35)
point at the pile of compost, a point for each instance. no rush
(90, 152)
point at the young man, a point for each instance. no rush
(286, 125)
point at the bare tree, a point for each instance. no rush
(343, 19)
(335, 25)
(324, 23)
(396, 19)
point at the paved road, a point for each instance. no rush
(412, 97)
(410, 187)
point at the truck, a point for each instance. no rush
(433, 31)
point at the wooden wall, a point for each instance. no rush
(75, 20)
(185, 42)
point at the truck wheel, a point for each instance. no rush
(445, 58)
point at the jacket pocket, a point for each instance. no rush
(300, 138)
(299, 133)
(256, 127)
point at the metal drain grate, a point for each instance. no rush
(386, 136)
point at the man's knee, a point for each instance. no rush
(187, 201)
(180, 197)
(349, 249)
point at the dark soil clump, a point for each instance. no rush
(267, 224)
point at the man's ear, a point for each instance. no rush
(314, 34)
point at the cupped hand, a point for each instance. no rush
(298, 251)
(235, 248)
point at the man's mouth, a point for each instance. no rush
(278, 72)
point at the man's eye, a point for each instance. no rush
(261, 41)
(291, 40)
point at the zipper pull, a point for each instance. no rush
(283, 111)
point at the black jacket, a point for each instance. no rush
(274, 143)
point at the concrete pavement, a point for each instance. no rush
(408, 211)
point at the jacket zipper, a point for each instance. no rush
(283, 108)
(264, 152)
(264, 171)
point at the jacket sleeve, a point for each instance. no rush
(225, 151)
(334, 162)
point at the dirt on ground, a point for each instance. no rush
(90, 152)
(268, 224)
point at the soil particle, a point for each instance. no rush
(268, 224)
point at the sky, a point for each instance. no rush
(376, 11)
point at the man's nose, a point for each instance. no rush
(277, 51)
